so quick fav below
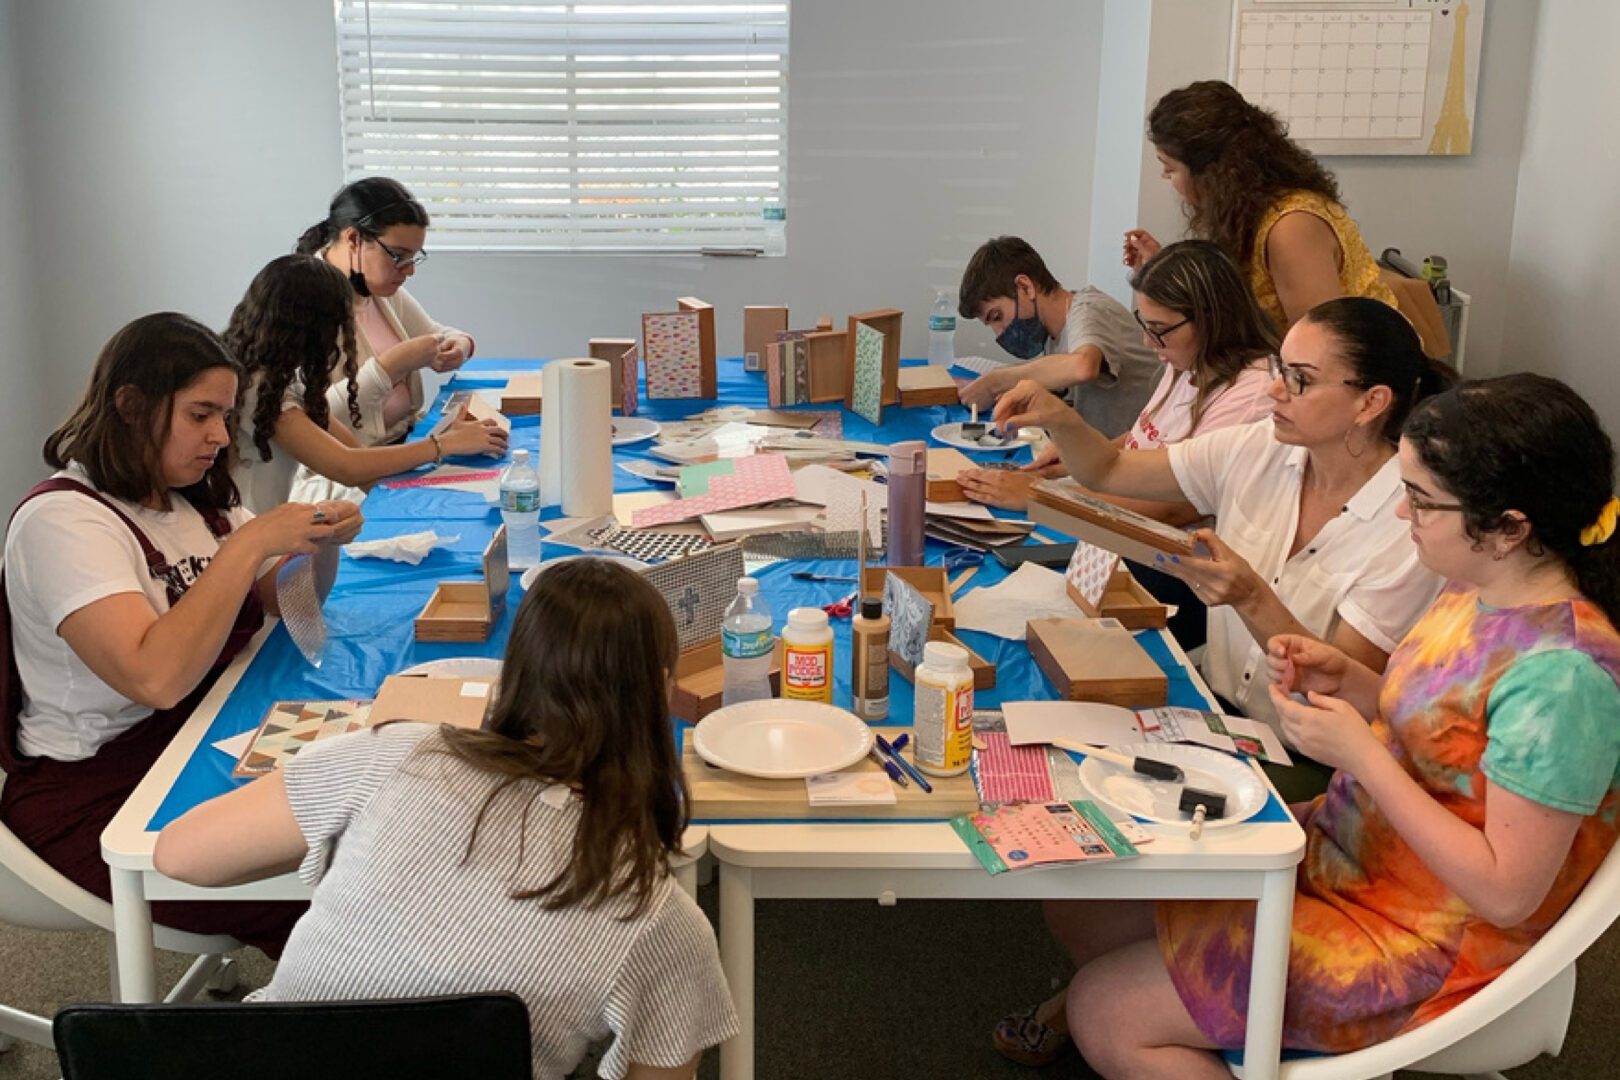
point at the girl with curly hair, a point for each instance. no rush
(293, 333)
(1245, 185)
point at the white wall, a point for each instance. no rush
(22, 361)
(1562, 273)
(175, 146)
(1460, 207)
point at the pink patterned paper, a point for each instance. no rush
(759, 478)
(1090, 570)
(1009, 773)
(630, 372)
(674, 364)
(434, 479)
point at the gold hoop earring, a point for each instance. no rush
(1366, 442)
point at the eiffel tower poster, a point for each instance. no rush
(1453, 131)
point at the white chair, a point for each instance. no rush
(1517, 1018)
(35, 896)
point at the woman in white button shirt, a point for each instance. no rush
(1308, 542)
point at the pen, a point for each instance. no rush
(891, 768)
(906, 766)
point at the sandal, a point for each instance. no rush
(1024, 1039)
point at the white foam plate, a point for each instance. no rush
(535, 571)
(633, 429)
(465, 667)
(782, 739)
(1127, 791)
(951, 435)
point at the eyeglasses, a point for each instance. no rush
(1158, 336)
(1421, 507)
(400, 258)
(1297, 380)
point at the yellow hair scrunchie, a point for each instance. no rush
(1600, 530)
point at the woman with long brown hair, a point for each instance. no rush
(1245, 185)
(531, 856)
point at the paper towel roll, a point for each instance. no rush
(576, 437)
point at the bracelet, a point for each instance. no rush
(438, 447)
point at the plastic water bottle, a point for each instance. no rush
(942, 329)
(520, 509)
(747, 646)
(774, 216)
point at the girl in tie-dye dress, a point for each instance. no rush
(1466, 816)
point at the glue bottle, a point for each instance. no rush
(943, 721)
(807, 656)
(869, 668)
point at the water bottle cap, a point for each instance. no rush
(747, 586)
(945, 655)
(520, 456)
(807, 618)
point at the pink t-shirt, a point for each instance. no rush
(1168, 416)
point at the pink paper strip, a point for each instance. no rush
(759, 478)
(1009, 773)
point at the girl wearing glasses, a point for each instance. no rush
(374, 233)
(294, 335)
(1478, 782)
(1245, 185)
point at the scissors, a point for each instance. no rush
(843, 609)
(960, 558)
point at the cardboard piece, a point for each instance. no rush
(885, 321)
(944, 463)
(824, 357)
(761, 324)
(927, 385)
(718, 795)
(706, 346)
(1062, 506)
(613, 350)
(928, 580)
(984, 672)
(700, 680)
(522, 395)
(469, 610)
(434, 699)
(1096, 660)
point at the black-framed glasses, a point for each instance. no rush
(1420, 507)
(400, 258)
(1158, 336)
(1297, 380)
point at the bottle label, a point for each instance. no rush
(943, 725)
(946, 323)
(520, 500)
(746, 644)
(807, 672)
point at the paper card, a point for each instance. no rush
(289, 726)
(866, 381)
(1091, 568)
(1078, 721)
(911, 616)
(752, 480)
(850, 789)
(674, 364)
(630, 373)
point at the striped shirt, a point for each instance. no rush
(399, 912)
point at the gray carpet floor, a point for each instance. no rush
(846, 989)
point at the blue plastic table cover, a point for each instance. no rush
(372, 606)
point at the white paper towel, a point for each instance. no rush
(576, 437)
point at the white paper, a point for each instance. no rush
(816, 484)
(850, 789)
(409, 548)
(967, 510)
(1077, 721)
(475, 689)
(235, 746)
(1031, 592)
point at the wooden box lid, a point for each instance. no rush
(1096, 660)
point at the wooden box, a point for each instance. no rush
(700, 680)
(984, 672)
(885, 321)
(1127, 601)
(1058, 505)
(1096, 660)
(706, 346)
(829, 374)
(931, 581)
(718, 795)
(522, 395)
(944, 463)
(760, 326)
(927, 385)
(468, 610)
(612, 350)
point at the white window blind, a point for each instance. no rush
(628, 126)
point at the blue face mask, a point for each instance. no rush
(1024, 338)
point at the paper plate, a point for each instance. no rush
(951, 435)
(1130, 792)
(782, 739)
(633, 429)
(466, 667)
(535, 571)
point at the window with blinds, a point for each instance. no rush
(631, 126)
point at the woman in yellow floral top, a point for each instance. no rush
(1478, 782)
(1269, 203)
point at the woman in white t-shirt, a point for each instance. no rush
(1213, 340)
(434, 849)
(132, 577)
(293, 334)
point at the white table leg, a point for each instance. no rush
(686, 876)
(737, 960)
(1268, 975)
(132, 933)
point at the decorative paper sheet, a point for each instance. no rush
(866, 388)
(674, 365)
(1091, 568)
(290, 726)
(752, 480)
(1008, 773)
(630, 376)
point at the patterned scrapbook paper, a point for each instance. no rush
(799, 365)
(630, 373)
(774, 375)
(698, 589)
(1091, 568)
(648, 545)
(674, 366)
(756, 479)
(1008, 773)
(290, 726)
(866, 392)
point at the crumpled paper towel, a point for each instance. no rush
(409, 548)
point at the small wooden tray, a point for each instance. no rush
(1096, 660)
(984, 672)
(944, 464)
(929, 580)
(927, 385)
(612, 350)
(469, 610)
(1114, 528)
(522, 395)
(761, 324)
(885, 321)
(829, 377)
(700, 681)
(1126, 600)
(706, 346)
